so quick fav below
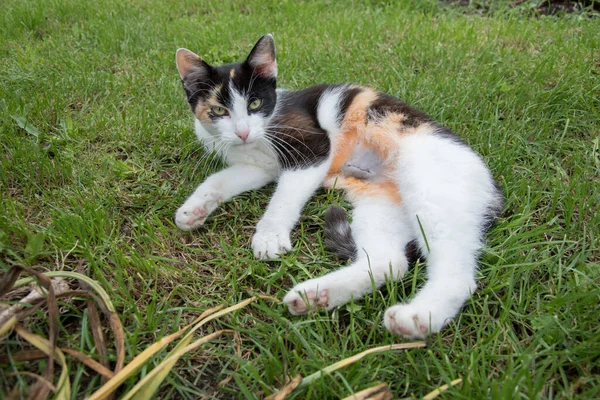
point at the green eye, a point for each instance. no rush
(255, 104)
(218, 110)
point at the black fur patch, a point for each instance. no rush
(494, 210)
(338, 234)
(347, 99)
(299, 138)
(385, 104)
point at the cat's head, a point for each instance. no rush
(234, 102)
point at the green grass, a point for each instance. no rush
(97, 151)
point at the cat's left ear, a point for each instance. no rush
(262, 57)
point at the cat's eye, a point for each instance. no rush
(255, 104)
(218, 111)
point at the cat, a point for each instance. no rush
(408, 178)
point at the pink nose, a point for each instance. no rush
(243, 135)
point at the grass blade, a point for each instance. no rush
(152, 386)
(6, 328)
(64, 385)
(286, 390)
(75, 275)
(146, 388)
(352, 359)
(380, 391)
(39, 378)
(435, 393)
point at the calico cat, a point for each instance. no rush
(407, 177)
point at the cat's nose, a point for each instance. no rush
(243, 134)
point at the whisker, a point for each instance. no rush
(267, 144)
(296, 129)
(291, 137)
(289, 148)
(281, 156)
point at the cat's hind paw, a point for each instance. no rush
(405, 320)
(303, 302)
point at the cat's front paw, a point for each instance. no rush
(195, 210)
(411, 322)
(303, 301)
(268, 243)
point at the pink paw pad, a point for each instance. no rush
(310, 300)
(199, 212)
(419, 326)
(323, 300)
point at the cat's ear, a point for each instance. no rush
(262, 57)
(189, 62)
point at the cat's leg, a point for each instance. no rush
(450, 282)
(447, 192)
(294, 188)
(217, 188)
(381, 235)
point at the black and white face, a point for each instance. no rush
(234, 102)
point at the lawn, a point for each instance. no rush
(97, 151)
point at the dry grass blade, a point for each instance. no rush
(64, 385)
(32, 355)
(141, 359)
(96, 328)
(34, 300)
(146, 388)
(117, 328)
(90, 362)
(133, 366)
(39, 378)
(435, 393)
(347, 361)
(380, 391)
(41, 391)
(9, 279)
(25, 355)
(145, 355)
(74, 275)
(94, 321)
(150, 388)
(286, 390)
(103, 300)
(7, 327)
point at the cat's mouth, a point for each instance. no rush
(248, 143)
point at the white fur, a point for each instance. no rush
(328, 110)
(294, 188)
(448, 188)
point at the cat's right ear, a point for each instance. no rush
(188, 62)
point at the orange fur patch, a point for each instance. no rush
(203, 107)
(379, 136)
(354, 120)
(360, 188)
(201, 111)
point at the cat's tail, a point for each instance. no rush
(338, 233)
